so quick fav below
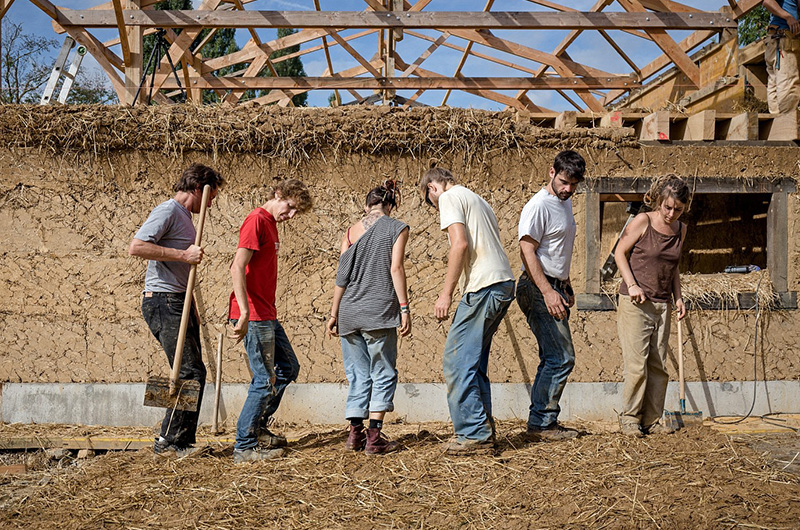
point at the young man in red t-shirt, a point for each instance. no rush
(272, 360)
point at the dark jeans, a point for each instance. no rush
(162, 312)
(556, 354)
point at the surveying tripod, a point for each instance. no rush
(160, 48)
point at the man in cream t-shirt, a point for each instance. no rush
(480, 267)
(544, 293)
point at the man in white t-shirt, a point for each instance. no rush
(480, 267)
(544, 292)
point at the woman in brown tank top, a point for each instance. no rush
(647, 256)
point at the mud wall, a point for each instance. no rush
(72, 293)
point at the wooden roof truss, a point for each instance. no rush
(375, 73)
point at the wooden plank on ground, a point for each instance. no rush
(13, 469)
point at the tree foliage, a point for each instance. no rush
(26, 63)
(290, 67)
(753, 25)
(221, 43)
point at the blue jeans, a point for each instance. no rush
(466, 359)
(556, 354)
(162, 312)
(268, 349)
(369, 363)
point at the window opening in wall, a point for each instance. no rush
(732, 222)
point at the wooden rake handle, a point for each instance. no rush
(682, 387)
(187, 301)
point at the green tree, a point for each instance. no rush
(150, 40)
(221, 43)
(753, 25)
(290, 67)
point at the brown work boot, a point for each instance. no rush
(356, 438)
(554, 433)
(378, 444)
(659, 428)
(454, 447)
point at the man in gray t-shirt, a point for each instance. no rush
(166, 240)
(544, 292)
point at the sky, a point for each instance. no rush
(590, 48)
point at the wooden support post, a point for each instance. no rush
(133, 69)
(567, 120)
(743, 127)
(655, 126)
(592, 235)
(778, 241)
(700, 126)
(612, 119)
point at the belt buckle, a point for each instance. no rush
(148, 294)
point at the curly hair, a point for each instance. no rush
(669, 185)
(295, 190)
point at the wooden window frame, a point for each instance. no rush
(611, 189)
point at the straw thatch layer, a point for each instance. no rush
(294, 134)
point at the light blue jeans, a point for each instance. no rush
(466, 359)
(556, 354)
(267, 348)
(369, 364)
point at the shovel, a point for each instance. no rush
(679, 419)
(174, 393)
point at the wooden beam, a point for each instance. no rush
(424, 55)
(479, 55)
(592, 241)
(701, 126)
(430, 82)
(339, 20)
(714, 185)
(123, 34)
(350, 72)
(778, 241)
(488, 39)
(357, 56)
(4, 5)
(488, 94)
(464, 56)
(743, 127)
(667, 44)
(101, 55)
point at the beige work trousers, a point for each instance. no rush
(783, 79)
(644, 337)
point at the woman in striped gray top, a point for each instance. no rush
(370, 304)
